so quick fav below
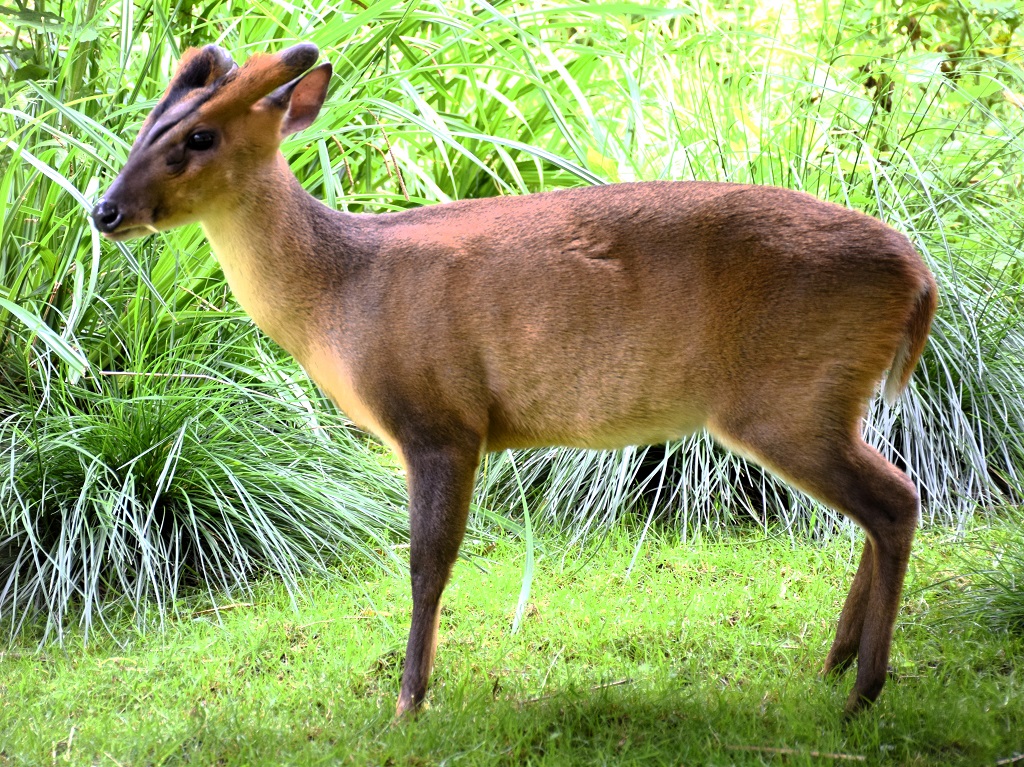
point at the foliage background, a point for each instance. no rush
(151, 440)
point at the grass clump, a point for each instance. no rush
(1003, 593)
(990, 578)
(141, 485)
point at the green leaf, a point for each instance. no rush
(42, 21)
(30, 72)
(976, 89)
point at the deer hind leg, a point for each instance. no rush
(440, 488)
(834, 465)
(851, 620)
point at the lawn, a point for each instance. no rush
(706, 653)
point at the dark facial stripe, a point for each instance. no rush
(206, 69)
(173, 117)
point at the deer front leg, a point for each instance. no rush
(440, 481)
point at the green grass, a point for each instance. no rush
(995, 567)
(706, 653)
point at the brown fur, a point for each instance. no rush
(246, 85)
(198, 70)
(595, 317)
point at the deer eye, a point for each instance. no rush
(201, 140)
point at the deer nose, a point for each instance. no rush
(106, 216)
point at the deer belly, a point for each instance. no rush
(590, 424)
(330, 373)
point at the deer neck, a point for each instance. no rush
(278, 247)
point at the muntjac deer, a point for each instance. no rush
(596, 317)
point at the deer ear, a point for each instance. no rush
(302, 99)
(249, 85)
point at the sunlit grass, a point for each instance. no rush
(705, 653)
